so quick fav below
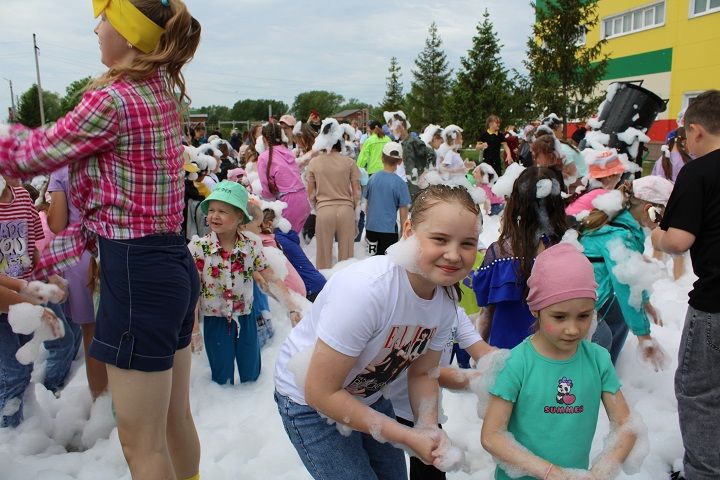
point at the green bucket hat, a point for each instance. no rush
(231, 193)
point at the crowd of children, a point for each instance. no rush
(187, 243)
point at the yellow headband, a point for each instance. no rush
(130, 22)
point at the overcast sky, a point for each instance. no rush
(263, 48)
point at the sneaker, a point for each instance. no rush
(676, 476)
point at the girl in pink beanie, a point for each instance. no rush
(543, 408)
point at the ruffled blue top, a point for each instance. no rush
(496, 283)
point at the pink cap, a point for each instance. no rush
(560, 273)
(653, 189)
(288, 120)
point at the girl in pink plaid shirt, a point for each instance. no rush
(122, 144)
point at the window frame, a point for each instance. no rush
(708, 11)
(641, 10)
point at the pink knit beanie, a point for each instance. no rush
(560, 273)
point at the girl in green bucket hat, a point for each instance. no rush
(226, 260)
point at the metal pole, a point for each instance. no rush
(269, 111)
(13, 112)
(39, 85)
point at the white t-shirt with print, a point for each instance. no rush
(369, 311)
(464, 332)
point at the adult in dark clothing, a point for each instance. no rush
(492, 142)
(417, 156)
(691, 221)
(579, 133)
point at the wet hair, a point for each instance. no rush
(32, 191)
(272, 132)
(434, 194)
(526, 216)
(400, 119)
(176, 48)
(199, 128)
(705, 110)
(678, 140)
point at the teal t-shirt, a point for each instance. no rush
(556, 401)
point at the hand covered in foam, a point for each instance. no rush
(42, 323)
(423, 442)
(45, 292)
(447, 457)
(652, 354)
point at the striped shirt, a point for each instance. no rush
(123, 147)
(20, 228)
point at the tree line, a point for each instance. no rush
(563, 72)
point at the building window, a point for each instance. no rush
(642, 18)
(700, 7)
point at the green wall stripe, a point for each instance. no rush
(641, 64)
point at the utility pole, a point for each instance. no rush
(39, 85)
(13, 112)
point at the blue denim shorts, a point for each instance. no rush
(148, 290)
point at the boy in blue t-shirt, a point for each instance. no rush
(386, 194)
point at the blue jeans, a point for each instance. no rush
(612, 330)
(15, 377)
(61, 352)
(328, 455)
(697, 388)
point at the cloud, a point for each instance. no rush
(265, 49)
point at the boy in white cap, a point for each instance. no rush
(386, 194)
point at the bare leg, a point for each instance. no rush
(141, 401)
(95, 369)
(182, 437)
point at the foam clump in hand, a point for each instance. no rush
(27, 319)
(44, 292)
(448, 457)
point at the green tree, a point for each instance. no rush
(429, 88)
(250, 109)
(393, 100)
(564, 69)
(481, 87)
(326, 103)
(215, 113)
(28, 112)
(355, 104)
(73, 94)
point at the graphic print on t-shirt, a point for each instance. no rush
(403, 344)
(14, 258)
(564, 398)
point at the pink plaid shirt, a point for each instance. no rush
(123, 146)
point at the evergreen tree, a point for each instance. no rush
(481, 87)
(564, 70)
(431, 83)
(393, 100)
(28, 112)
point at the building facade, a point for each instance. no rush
(673, 46)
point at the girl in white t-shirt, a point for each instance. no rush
(372, 321)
